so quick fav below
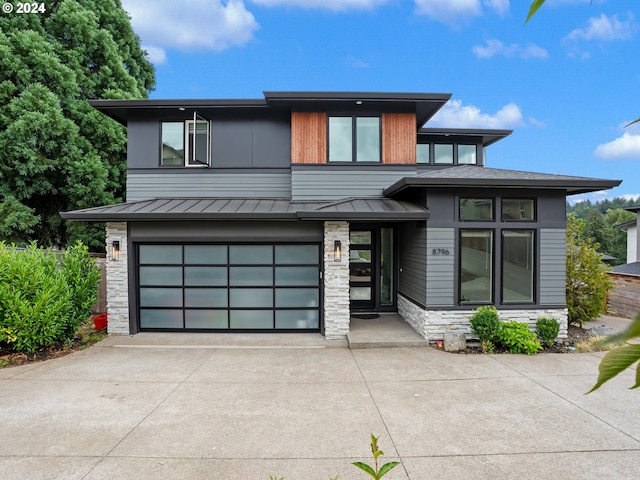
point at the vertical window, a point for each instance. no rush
(517, 265)
(443, 153)
(197, 143)
(476, 266)
(340, 139)
(354, 139)
(185, 143)
(368, 139)
(422, 153)
(172, 143)
(467, 154)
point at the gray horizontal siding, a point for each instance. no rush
(441, 268)
(206, 184)
(552, 266)
(413, 275)
(325, 183)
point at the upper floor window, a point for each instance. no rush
(476, 209)
(518, 209)
(447, 154)
(185, 143)
(354, 139)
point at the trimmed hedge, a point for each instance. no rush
(44, 297)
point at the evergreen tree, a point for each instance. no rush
(587, 280)
(56, 152)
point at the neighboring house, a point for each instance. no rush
(633, 245)
(290, 212)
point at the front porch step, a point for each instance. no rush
(389, 330)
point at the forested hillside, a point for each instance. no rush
(600, 219)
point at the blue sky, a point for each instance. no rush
(566, 83)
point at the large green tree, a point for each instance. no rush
(56, 152)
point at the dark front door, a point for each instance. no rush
(372, 269)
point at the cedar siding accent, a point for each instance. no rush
(308, 138)
(399, 138)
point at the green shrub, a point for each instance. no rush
(485, 325)
(517, 338)
(43, 300)
(547, 330)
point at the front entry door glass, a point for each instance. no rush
(361, 268)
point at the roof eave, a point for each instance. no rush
(570, 187)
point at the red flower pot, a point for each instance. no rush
(100, 321)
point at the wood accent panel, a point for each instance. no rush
(308, 137)
(399, 138)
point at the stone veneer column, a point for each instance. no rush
(117, 280)
(336, 281)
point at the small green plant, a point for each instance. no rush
(517, 338)
(485, 325)
(547, 330)
(373, 471)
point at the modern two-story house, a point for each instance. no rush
(291, 212)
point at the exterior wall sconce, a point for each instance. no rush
(337, 250)
(115, 250)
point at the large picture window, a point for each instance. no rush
(476, 266)
(185, 143)
(517, 265)
(354, 139)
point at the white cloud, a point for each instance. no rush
(338, 5)
(605, 28)
(456, 115)
(452, 12)
(190, 25)
(495, 47)
(500, 6)
(155, 55)
(627, 146)
(448, 11)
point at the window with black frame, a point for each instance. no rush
(354, 139)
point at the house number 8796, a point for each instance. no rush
(440, 251)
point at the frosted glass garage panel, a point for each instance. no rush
(205, 254)
(160, 276)
(206, 319)
(291, 254)
(297, 297)
(293, 276)
(251, 297)
(160, 318)
(205, 297)
(205, 276)
(250, 276)
(251, 319)
(171, 254)
(297, 319)
(161, 297)
(250, 254)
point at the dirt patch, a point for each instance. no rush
(86, 336)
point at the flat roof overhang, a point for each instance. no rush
(197, 209)
(487, 136)
(475, 176)
(424, 105)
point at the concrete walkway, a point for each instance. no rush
(198, 407)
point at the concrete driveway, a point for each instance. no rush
(147, 407)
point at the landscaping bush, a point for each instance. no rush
(517, 338)
(44, 299)
(485, 325)
(547, 330)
